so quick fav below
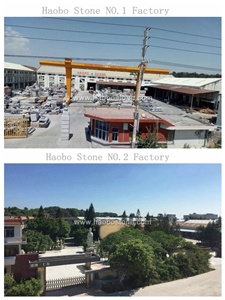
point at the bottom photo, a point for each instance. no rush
(112, 230)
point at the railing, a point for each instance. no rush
(14, 240)
(58, 283)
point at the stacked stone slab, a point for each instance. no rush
(65, 125)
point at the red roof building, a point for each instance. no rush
(114, 125)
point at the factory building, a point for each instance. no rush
(195, 92)
(18, 76)
(83, 79)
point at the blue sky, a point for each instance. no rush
(197, 35)
(155, 188)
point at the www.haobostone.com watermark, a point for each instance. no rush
(111, 99)
(112, 222)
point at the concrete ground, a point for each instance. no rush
(64, 271)
(207, 284)
(50, 137)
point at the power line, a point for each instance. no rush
(107, 43)
(137, 26)
(115, 60)
(185, 33)
(77, 31)
(70, 41)
(190, 43)
(108, 34)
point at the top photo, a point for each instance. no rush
(118, 82)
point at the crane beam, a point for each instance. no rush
(69, 65)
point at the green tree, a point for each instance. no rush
(134, 260)
(9, 282)
(211, 234)
(79, 233)
(147, 226)
(59, 213)
(150, 140)
(124, 217)
(138, 219)
(36, 241)
(169, 242)
(90, 216)
(41, 212)
(63, 228)
(131, 218)
(31, 287)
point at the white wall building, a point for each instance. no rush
(83, 79)
(12, 242)
(18, 76)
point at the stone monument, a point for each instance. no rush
(90, 238)
(89, 248)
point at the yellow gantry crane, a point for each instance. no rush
(69, 65)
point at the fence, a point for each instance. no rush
(54, 284)
(15, 128)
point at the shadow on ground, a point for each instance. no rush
(87, 133)
(76, 290)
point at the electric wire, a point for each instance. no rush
(108, 43)
(109, 34)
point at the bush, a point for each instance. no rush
(9, 282)
(30, 287)
(113, 287)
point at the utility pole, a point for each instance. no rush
(142, 67)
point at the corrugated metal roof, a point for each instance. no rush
(13, 66)
(193, 224)
(184, 90)
(191, 82)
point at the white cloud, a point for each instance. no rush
(16, 44)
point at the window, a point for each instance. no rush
(11, 250)
(9, 232)
(170, 136)
(101, 130)
(115, 134)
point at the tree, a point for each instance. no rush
(31, 287)
(79, 233)
(150, 140)
(151, 257)
(63, 228)
(36, 241)
(124, 217)
(52, 227)
(138, 219)
(131, 218)
(59, 213)
(41, 213)
(211, 234)
(134, 262)
(147, 226)
(90, 216)
(9, 282)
